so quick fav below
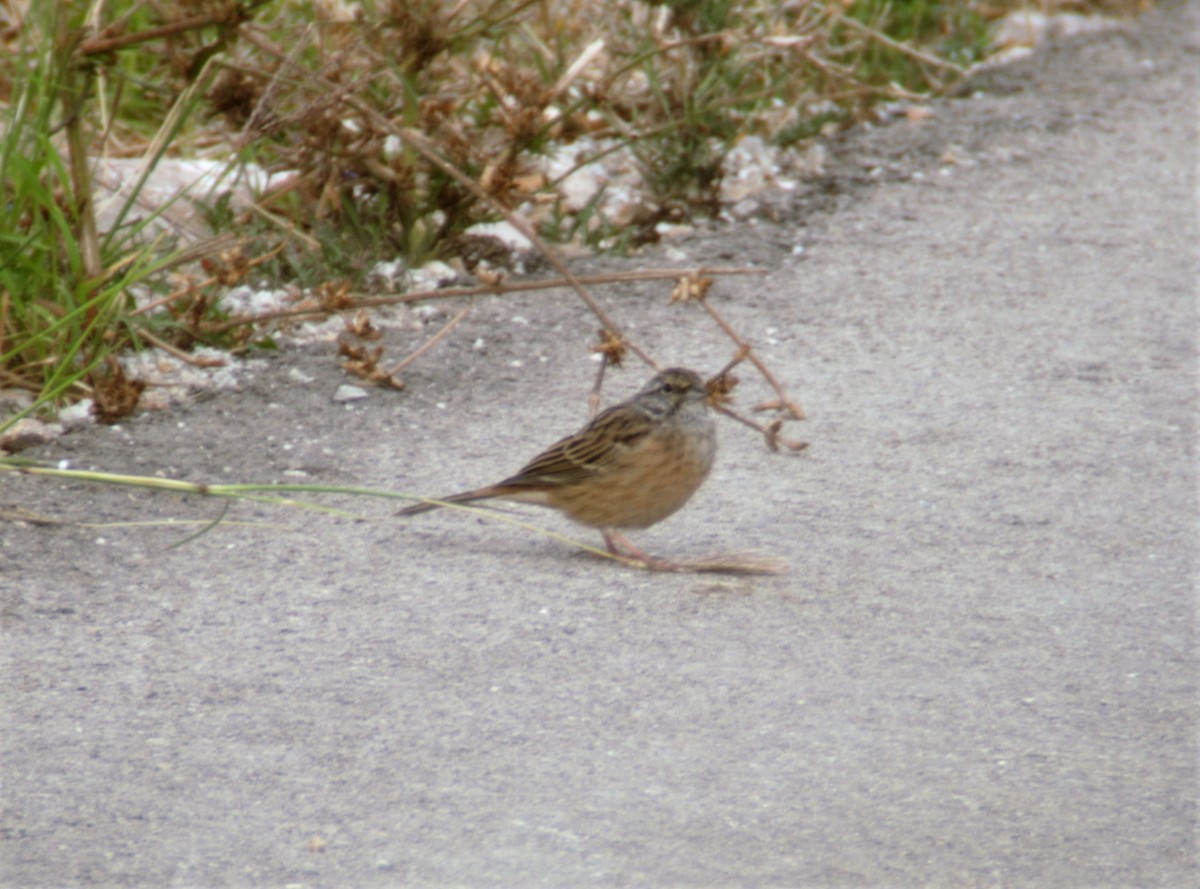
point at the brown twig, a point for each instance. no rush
(432, 341)
(742, 354)
(792, 407)
(255, 129)
(76, 84)
(424, 147)
(193, 360)
(594, 395)
(101, 45)
(267, 97)
(719, 387)
(369, 302)
(769, 432)
(286, 225)
(210, 248)
(432, 154)
(903, 48)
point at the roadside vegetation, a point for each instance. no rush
(385, 129)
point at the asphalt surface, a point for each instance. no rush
(979, 669)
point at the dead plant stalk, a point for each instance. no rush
(369, 302)
(427, 150)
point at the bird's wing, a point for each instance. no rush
(590, 451)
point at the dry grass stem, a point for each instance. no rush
(429, 151)
(769, 432)
(792, 407)
(99, 46)
(364, 301)
(217, 245)
(611, 349)
(432, 341)
(186, 357)
(903, 48)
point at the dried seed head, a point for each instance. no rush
(690, 287)
(611, 346)
(720, 388)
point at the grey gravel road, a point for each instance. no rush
(979, 670)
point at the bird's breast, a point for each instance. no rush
(645, 483)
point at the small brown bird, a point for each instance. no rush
(633, 465)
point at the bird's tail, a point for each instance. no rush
(464, 497)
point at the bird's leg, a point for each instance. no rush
(620, 545)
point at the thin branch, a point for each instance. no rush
(101, 45)
(368, 302)
(187, 358)
(429, 151)
(432, 341)
(424, 147)
(792, 407)
(594, 395)
(771, 432)
(208, 250)
(83, 195)
(898, 46)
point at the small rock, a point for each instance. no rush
(14, 400)
(347, 393)
(811, 165)
(432, 276)
(744, 209)
(388, 277)
(76, 415)
(28, 433)
(503, 231)
(1026, 27)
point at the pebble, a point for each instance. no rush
(75, 415)
(28, 433)
(347, 393)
